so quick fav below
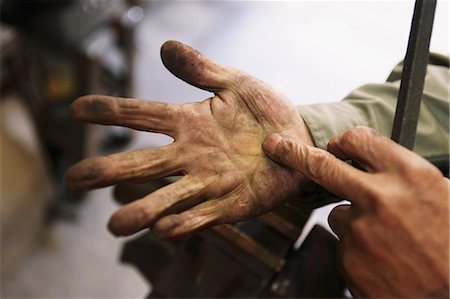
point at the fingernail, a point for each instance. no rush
(271, 143)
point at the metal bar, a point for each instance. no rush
(413, 76)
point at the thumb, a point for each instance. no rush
(285, 150)
(194, 68)
(319, 166)
(289, 152)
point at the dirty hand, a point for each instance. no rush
(394, 237)
(217, 149)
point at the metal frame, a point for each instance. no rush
(413, 75)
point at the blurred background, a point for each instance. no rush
(54, 243)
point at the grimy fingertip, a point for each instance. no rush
(97, 108)
(193, 67)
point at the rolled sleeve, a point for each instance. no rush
(374, 105)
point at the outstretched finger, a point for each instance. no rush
(135, 166)
(194, 68)
(175, 197)
(136, 114)
(320, 166)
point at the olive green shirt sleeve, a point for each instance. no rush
(374, 105)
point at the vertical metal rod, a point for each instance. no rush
(413, 76)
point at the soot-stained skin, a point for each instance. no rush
(100, 110)
(217, 149)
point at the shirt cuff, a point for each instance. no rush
(328, 120)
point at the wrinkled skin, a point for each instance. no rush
(217, 149)
(394, 237)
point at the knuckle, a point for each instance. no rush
(347, 140)
(432, 172)
(287, 153)
(419, 170)
(407, 168)
(318, 163)
(287, 148)
(414, 174)
(382, 201)
(378, 193)
(350, 134)
(379, 196)
(355, 134)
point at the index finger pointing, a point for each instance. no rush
(321, 167)
(136, 114)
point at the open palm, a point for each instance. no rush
(217, 148)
